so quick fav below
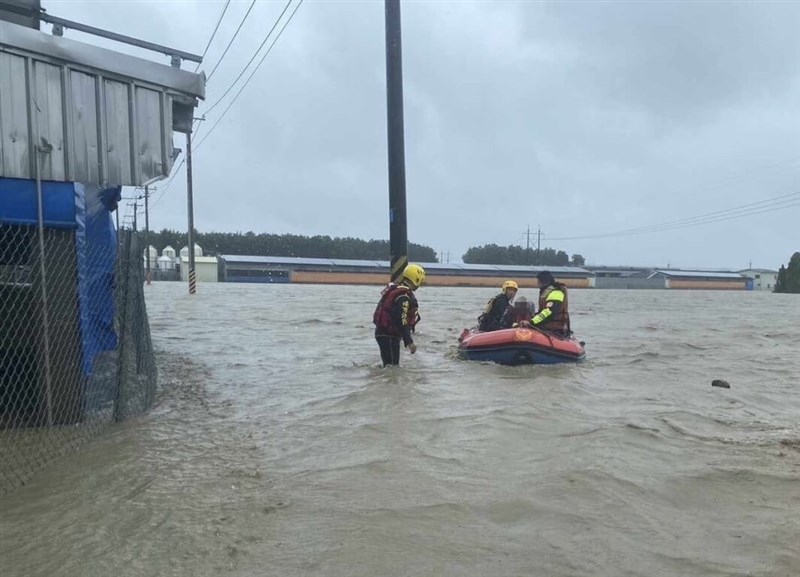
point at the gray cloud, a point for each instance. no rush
(583, 117)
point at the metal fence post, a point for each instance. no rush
(40, 152)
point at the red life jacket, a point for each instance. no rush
(382, 317)
(560, 321)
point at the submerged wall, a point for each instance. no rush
(317, 277)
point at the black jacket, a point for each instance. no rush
(491, 319)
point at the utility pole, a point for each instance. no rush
(190, 205)
(528, 246)
(147, 274)
(538, 245)
(135, 208)
(398, 231)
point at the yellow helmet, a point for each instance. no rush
(510, 284)
(414, 274)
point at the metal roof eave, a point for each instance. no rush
(441, 268)
(102, 59)
(710, 275)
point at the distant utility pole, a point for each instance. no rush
(538, 244)
(147, 275)
(528, 246)
(190, 206)
(134, 213)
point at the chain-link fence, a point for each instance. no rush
(75, 348)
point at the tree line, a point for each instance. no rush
(323, 246)
(789, 276)
(517, 255)
(293, 245)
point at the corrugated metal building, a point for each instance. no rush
(277, 269)
(77, 122)
(764, 279)
(625, 277)
(92, 114)
(206, 268)
(695, 279)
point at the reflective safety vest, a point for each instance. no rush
(382, 317)
(560, 321)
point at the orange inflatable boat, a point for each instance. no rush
(522, 346)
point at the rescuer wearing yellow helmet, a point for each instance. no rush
(396, 315)
(491, 319)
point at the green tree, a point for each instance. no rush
(319, 246)
(516, 255)
(789, 276)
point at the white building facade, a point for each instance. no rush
(764, 279)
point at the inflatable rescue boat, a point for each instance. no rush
(521, 346)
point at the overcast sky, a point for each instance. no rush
(584, 118)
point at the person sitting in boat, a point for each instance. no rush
(492, 316)
(553, 315)
(519, 312)
(396, 314)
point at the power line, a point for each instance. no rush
(745, 208)
(789, 203)
(210, 40)
(163, 189)
(768, 205)
(235, 34)
(246, 82)
(704, 217)
(175, 172)
(253, 57)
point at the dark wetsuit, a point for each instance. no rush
(402, 318)
(491, 319)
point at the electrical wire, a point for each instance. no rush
(175, 172)
(260, 62)
(768, 205)
(235, 34)
(163, 189)
(253, 57)
(210, 40)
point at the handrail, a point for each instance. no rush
(64, 23)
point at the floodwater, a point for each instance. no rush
(278, 447)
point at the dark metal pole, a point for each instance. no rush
(190, 203)
(147, 232)
(528, 248)
(538, 245)
(48, 376)
(398, 235)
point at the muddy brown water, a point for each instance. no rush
(279, 447)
